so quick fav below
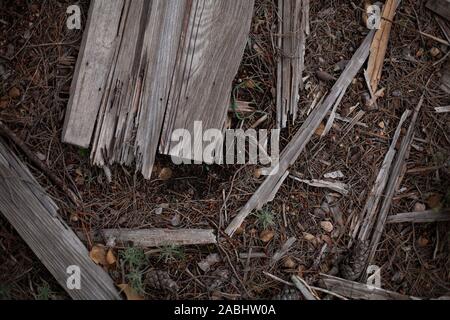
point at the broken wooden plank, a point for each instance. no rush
(162, 65)
(368, 215)
(380, 44)
(303, 287)
(395, 178)
(292, 33)
(440, 7)
(34, 215)
(429, 216)
(280, 254)
(160, 237)
(359, 291)
(91, 71)
(302, 137)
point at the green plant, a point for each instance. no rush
(265, 219)
(134, 279)
(134, 258)
(44, 292)
(171, 253)
(5, 292)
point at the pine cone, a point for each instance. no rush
(160, 280)
(288, 294)
(354, 265)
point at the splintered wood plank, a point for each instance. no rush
(212, 44)
(359, 291)
(91, 71)
(292, 32)
(441, 7)
(298, 143)
(34, 215)
(160, 237)
(380, 44)
(171, 63)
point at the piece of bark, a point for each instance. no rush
(302, 138)
(160, 237)
(359, 291)
(34, 215)
(429, 216)
(380, 44)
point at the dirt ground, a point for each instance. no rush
(37, 58)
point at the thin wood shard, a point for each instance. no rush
(160, 237)
(359, 291)
(147, 68)
(380, 44)
(303, 136)
(293, 31)
(420, 217)
(34, 215)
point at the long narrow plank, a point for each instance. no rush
(394, 181)
(161, 237)
(292, 32)
(34, 215)
(359, 291)
(91, 72)
(303, 136)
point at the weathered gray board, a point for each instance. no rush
(147, 68)
(292, 32)
(34, 215)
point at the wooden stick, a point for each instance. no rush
(160, 237)
(420, 217)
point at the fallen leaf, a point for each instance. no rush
(289, 263)
(434, 201)
(327, 226)
(435, 52)
(320, 130)
(423, 242)
(111, 258)
(419, 207)
(309, 237)
(130, 293)
(14, 93)
(98, 255)
(266, 236)
(165, 174)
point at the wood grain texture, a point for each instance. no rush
(302, 137)
(161, 237)
(34, 215)
(380, 44)
(171, 63)
(293, 29)
(429, 216)
(91, 71)
(359, 291)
